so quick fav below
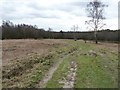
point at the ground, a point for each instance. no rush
(57, 63)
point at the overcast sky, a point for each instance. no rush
(56, 14)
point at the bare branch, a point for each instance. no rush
(89, 24)
(101, 26)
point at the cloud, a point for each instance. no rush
(57, 14)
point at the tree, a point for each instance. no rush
(49, 33)
(95, 11)
(74, 28)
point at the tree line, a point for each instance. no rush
(23, 31)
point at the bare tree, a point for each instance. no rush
(95, 11)
(49, 32)
(74, 28)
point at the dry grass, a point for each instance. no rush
(106, 45)
(17, 49)
(25, 62)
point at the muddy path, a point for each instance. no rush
(48, 75)
(70, 78)
(42, 83)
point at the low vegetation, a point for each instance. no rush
(97, 65)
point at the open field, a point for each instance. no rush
(59, 64)
(16, 49)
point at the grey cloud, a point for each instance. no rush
(8, 8)
(41, 11)
(72, 7)
(42, 15)
(14, 17)
(36, 6)
(79, 4)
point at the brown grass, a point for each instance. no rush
(17, 49)
(107, 45)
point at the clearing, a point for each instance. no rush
(57, 63)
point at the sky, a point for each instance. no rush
(56, 14)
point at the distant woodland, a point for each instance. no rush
(23, 31)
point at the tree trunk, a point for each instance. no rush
(95, 35)
(96, 42)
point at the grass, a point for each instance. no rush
(96, 72)
(26, 73)
(90, 74)
(100, 71)
(63, 69)
(59, 74)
